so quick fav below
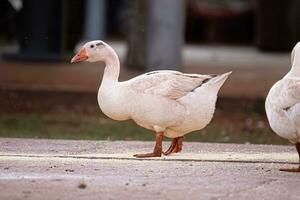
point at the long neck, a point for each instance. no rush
(112, 69)
(295, 71)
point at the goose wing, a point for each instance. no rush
(290, 92)
(169, 84)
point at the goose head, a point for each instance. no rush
(93, 51)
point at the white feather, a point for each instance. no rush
(283, 102)
(168, 101)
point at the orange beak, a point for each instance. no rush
(80, 56)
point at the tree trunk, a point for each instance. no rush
(156, 34)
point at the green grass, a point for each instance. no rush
(68, 127)
(91, 127)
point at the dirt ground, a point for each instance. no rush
(59, 169)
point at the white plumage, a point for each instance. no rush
(167, 102)
(283, 104)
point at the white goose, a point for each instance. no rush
(168, 102)
(283, 105)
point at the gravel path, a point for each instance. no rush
(60, 169)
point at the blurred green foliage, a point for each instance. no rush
(92, 127)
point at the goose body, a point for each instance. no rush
(283, 109)
(168, 102)
(283, 104)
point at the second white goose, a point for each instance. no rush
(283, 105)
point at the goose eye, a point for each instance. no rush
(92, 46)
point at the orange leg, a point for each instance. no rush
(294, 169)
(172, 147)
(157, 149)
(179, 144)
(175, 146)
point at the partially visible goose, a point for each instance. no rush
(168, 102)
(283, 105)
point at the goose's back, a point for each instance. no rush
(283, 119)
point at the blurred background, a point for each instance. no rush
(42, 95)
